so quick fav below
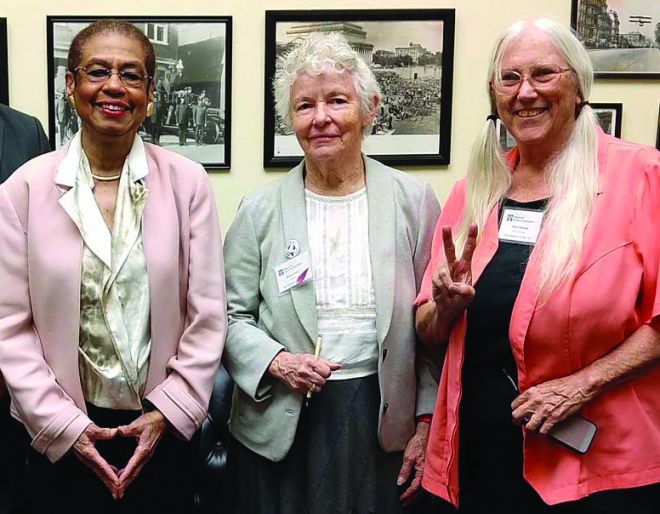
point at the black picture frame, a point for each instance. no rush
(616, 54)
(193, 55)
(4, 65)
(435, 143)
(610, 117)
(507, 142)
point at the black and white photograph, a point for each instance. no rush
(411, 55)
(622, 37)
(192, 84)
(4, 66)
(507, 141)
(609, 116)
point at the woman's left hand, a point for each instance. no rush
(543, 406)
(148, 430)
(414, 458)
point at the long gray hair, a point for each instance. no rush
(573, 173)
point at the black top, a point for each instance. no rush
(490, 456)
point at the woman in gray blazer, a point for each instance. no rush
(330, 412)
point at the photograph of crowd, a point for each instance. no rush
(192, 97)
(622, 37)
(410, 61)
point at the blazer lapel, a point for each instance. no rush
(294, 219)
(382, 241)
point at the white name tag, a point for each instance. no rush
(520, 225)
(294, 272)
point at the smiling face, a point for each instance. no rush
(110, 108)
(326, 114)
(538, 116)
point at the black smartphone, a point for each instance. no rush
(575, 432)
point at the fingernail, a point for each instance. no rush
(400, 481)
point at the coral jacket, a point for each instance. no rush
(40, 265)
(613, 291)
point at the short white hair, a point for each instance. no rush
(315, 54)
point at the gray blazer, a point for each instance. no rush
(402, 215)
(21, 139)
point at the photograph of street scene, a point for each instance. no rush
(191, 98)
(622, 37)
(406, 58)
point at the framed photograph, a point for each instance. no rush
(4, 67)
(192, 83)
(609, 117)
(622, 37)
(411, 53)
(506, 139)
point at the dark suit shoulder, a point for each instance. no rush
(22, 139)
(12, 117)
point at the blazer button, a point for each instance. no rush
(385, 407)
(384, 353)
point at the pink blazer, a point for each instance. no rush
(40, 263)
(614, 290)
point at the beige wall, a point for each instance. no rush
(477, 24)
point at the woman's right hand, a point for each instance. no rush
(86, 451)
(301, 371)
(452, 290)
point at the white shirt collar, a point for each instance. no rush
(68, 168)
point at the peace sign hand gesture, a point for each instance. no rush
(452, 289)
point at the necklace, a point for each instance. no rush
(103, 178)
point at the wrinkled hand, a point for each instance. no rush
(414, 458)
(301, 371)
(452, 289)
(543, 406)
(148, 429)
(85, 449)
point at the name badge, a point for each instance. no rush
(294, 272)
(520, 225)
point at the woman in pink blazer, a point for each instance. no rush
(112, 306)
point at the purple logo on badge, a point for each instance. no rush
(302, 276)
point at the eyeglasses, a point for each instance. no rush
(97, 74)
(539, 77)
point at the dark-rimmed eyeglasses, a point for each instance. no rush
(97, 74)
(539, 77)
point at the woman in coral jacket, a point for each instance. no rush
(112, 305)
(551, 288)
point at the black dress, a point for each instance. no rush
(490, 451)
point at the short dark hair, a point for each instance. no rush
(105, 26)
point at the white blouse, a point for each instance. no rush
(338, 233)
(115, 329)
